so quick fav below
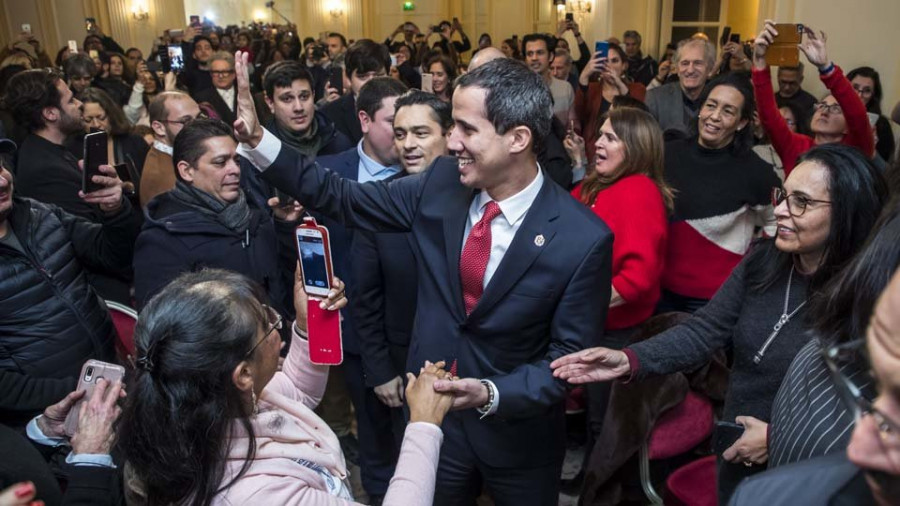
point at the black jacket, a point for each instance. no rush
(211, 96)
(342, 112)
(177, 239)
(51, 320)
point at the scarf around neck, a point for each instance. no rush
(307, 143)
(234, 216)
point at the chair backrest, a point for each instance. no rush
(125, 319)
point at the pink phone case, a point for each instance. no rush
(324, 327)
(105, 370)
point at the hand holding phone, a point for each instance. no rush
(785, 48)
(314, 251)
(91, 373)
(324, 325)
(95, 155)
(725, 434)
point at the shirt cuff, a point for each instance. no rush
(263, 155)
(496, 401)
(90, 459)
(35, 434)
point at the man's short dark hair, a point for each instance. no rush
(283, 74)
(366, 55)
(202, 37)
(632, 34)
(441, 112)
(515, 96)
(28, 93)
(534, 37)
(376, 90)
(340, 36)
(79, 65)
(189, 143)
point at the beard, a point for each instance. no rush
(69, 124)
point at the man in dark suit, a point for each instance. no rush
(365, 59)
(222, 97)
(383, 267)
(512, 273)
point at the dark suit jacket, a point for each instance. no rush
(212, 97)
(824, 480)
(384, 301)
(547, 298)
(342, 112)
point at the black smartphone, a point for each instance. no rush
(570, 16)
(336, 78)
(284, 200)
(195, 20)
(95, 155)
(736, 38)
(90, 24)
(163, 54)
(725, 435)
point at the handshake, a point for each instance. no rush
(434, 392)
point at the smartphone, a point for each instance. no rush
(94, 54)
(175, 33)
(90, 24)
(570, 16)
(91, 372)
(736, 38)
(162, 53)
(726, 36)
(176, 58)
(601, 47)
(153, 66)
(284, 200)
(73, 46)
(393, 60)
(195, 20)
(26, 27)
(314, 251)
(427, 82)
(784, 50)
(95, 155)
(336, 78)
(725, 434)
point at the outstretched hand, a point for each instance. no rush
(813, 46)
(247, 129)
(591, 366)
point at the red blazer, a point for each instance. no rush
(634, 210)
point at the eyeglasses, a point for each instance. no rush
(863, 90)
(830, 109)
(184, 122)
(221, 73)
(855, 389)
(274, 321)
(796, 204)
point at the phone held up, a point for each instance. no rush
(95, 155)
(324, 326)
(784, 50)
(90, 24)
(91, 373)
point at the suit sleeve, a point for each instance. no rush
(367, 309)
(530, 389)
(374, 206)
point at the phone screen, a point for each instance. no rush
(176, 58)
(570, 16)
(601, 47)
(313, 261)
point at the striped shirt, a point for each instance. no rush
(809, 419)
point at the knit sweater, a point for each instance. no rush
(790, 145)
(633, 209)
(720, 200)
(741, 318)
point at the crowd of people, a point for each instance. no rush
(504, 223)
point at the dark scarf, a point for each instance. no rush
(307, 143)
(234, 216)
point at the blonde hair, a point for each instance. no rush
(643, 140)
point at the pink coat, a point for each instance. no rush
(287, 429)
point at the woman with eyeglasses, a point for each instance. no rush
(210, 418)
(840, 117)
(827, 208)
(866, 83)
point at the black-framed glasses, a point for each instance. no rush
(274, 321)
(184, 122)
(852, 389)
(797, 204)
(830, 109)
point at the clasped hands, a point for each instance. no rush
(435, 392)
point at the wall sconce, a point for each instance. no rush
(335, 8)
(581, 7)
(139, 11)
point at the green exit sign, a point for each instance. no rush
(409, 6)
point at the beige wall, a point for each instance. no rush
(742, 16)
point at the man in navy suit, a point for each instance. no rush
(374, 158)
(512, 273)
(383, 266)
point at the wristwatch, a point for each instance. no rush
(486, 408)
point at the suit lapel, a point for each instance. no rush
(454, 228)
(524, 248)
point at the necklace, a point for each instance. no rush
(782, 321)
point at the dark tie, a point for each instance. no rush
(475, 255)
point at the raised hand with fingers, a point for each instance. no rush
(761, 45)
(290, 212)
(591, 366)
(95, 434)
(109, 198)
(813, 46)
(247, 129)
(336, 300)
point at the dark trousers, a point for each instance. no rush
(461, 475)
(375, 425)
(598, 393)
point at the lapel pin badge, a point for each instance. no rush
(539, 240)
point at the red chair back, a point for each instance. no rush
(694, 484)
(125, 319)
(681, 428)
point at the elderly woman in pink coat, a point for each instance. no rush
(210, 419)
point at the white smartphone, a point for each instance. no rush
(427, 82)
(73, 46)
(314, 250)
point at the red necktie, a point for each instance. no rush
(475, 255)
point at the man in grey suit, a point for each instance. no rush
(675, 105)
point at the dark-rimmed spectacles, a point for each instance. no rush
(796, 204)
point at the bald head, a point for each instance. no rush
(485, 55)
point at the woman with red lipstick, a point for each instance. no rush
(827, 208)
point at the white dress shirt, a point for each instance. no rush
(227, 96)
